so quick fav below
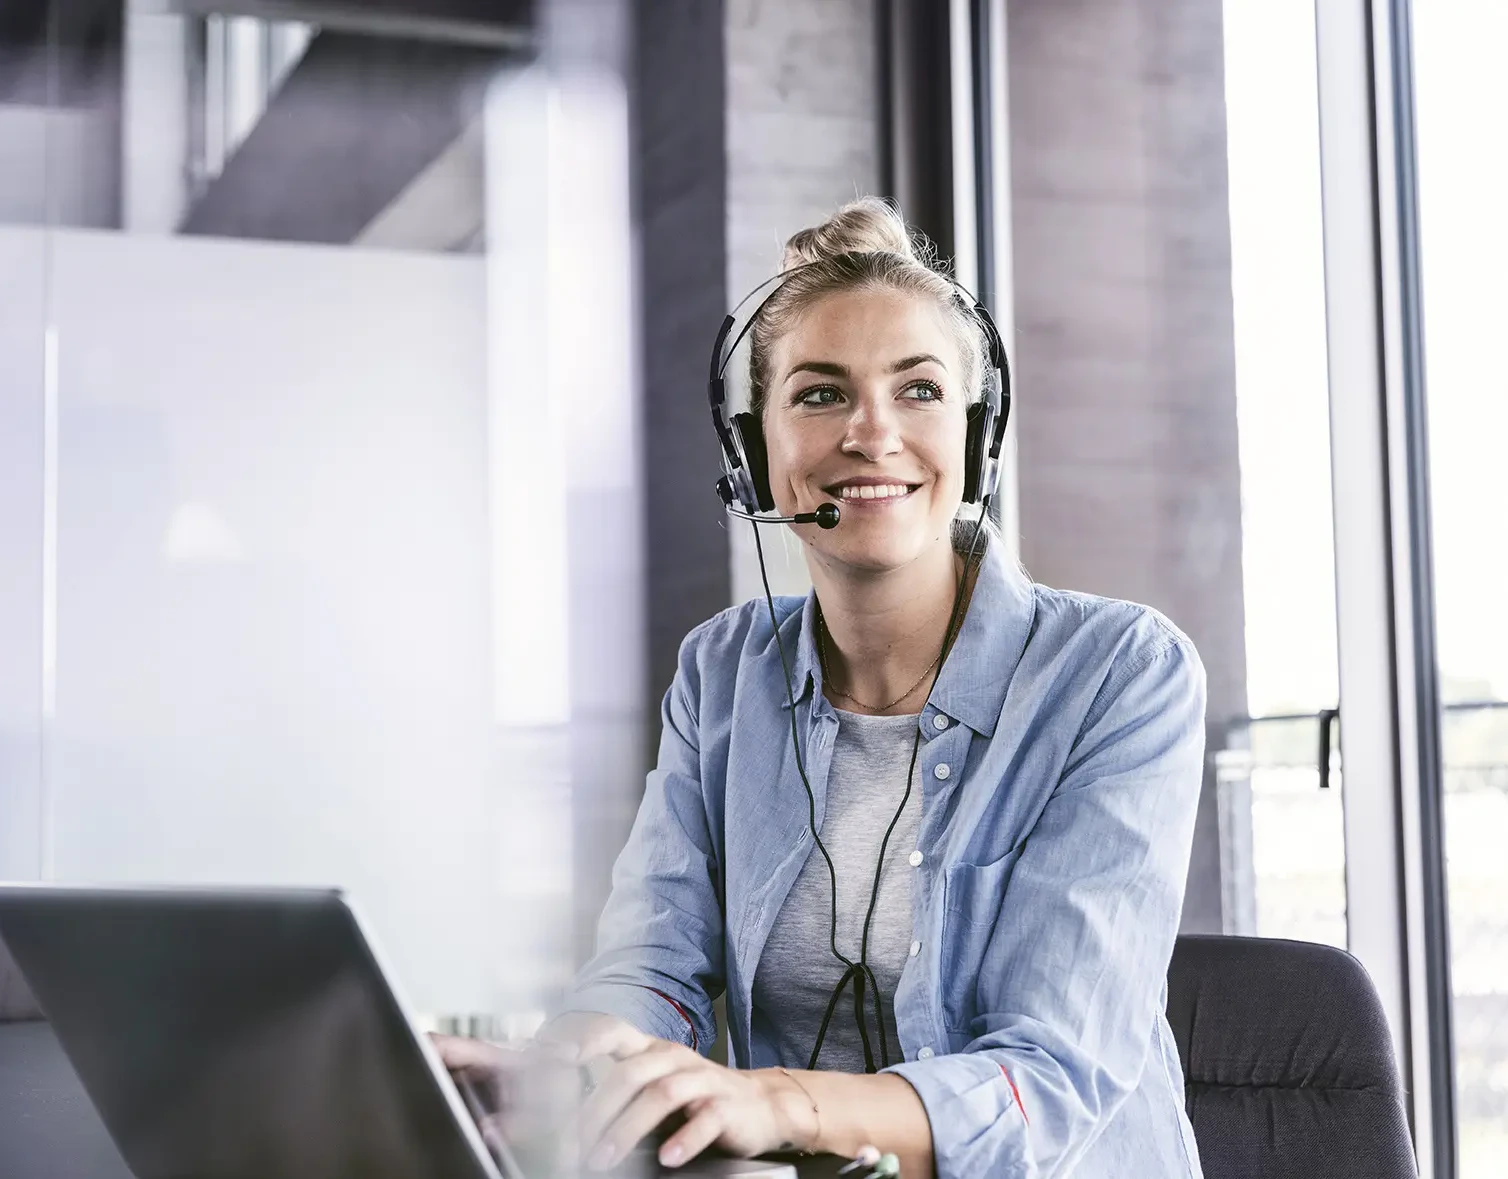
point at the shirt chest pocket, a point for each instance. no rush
(972, 896)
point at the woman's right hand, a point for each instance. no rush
(520, 1092)
(524, 1096)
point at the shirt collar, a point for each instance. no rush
(807, 670)
(971, 686)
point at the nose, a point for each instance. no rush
(873, 430)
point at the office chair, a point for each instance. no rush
(1287, 1062)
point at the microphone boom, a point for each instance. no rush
(826, 516)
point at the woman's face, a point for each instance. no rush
(866, 408)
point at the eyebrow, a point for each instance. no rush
(827, 368)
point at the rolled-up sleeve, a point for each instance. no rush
(660, 939)
(1075, 964)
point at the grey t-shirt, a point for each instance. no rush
(797, 971)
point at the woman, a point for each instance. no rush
(1006, 802)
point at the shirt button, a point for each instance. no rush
(924, 1054)
(916, 948)
(916, 858)
(940, 771)
(939, 722)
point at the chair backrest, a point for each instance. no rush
(1287, 1062)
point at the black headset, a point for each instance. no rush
(745, 483)
(745, 491)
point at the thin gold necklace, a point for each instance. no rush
(822, 659)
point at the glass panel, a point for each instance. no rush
(29, 139)
(1298, 833)
(23, 415)
(272, 288)
(1282, 833)
(1462, 101)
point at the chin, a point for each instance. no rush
(877, 550)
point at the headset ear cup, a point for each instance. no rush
(976, 450)
(750, 435)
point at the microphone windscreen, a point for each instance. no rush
(827, 516)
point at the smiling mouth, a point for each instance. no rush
(873, 492)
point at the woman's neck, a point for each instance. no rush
(883, 632)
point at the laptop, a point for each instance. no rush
(238, 1034)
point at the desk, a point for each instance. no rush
(49, 1130)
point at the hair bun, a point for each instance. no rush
(867, 225)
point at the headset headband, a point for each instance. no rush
(746, 480)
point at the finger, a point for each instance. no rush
(494, 1131)
(654, 1103)
(703, 1128)
(620, 1085)
(458, 1053)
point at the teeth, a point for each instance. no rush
(883, 491)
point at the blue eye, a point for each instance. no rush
(924, 391)
(818, 395)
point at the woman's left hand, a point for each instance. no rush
(743, 1112)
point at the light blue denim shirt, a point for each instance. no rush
(1053, 851)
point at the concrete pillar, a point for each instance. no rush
(681, 200)
(1124, 349)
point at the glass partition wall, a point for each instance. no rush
(252, 465)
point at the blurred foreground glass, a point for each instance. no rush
(1462, 101)
(262, 280)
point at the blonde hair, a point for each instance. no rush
(865, 245)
